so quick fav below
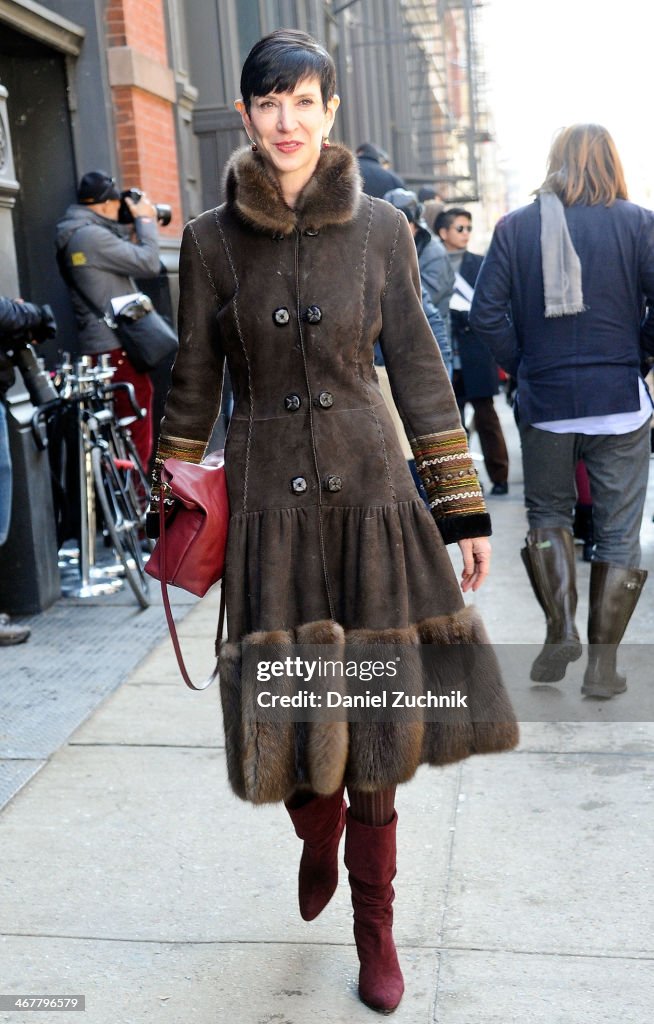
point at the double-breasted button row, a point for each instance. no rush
(312, 314)
(332, 483)
(293, 402)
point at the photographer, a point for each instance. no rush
(99, 257)
(19, 322)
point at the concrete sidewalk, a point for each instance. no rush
(130, 874)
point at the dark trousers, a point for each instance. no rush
(617, 465)
(489, 428)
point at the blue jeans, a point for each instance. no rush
(617, 466)
(5, 476)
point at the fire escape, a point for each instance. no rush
(446, 88)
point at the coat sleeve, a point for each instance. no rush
(646, 263)
(490, 314)
(194, 398)
(439, 330)
(436, 273)
(18, 316)
(120, 256)
(425, 400)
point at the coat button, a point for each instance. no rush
(281, 316)
(292, 403)
(313, 314)
(298, 485)
(312, 232)
(325, 399)
(333, 483)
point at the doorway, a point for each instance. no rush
(42, 145)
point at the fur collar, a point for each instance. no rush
(330, 197)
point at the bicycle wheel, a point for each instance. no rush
(133, 475)
(121, 519)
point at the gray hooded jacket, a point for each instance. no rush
(103, 262)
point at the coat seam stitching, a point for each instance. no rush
(391, 258)
(205, 264)
(239, 331)
(357, 355)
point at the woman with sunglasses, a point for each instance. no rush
(291, 282)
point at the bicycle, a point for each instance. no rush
(111, 475)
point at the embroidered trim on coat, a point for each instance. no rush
(448, 473)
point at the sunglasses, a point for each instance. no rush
(460, 228)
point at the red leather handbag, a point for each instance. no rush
(190, 552)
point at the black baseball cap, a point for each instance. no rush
(97, 187)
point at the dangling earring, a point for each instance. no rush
(253, 146)
(325, 143)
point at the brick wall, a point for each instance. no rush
(146, 141)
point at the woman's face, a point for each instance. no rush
(289, 128)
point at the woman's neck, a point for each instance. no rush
(293, 183)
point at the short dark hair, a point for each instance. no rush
(282, 59)
(446, 218)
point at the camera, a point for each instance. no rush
(37, 380)
(164, 211)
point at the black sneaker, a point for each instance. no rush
(500, 489)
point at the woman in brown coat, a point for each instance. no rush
(292, 281)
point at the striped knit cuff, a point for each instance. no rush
(448, 474)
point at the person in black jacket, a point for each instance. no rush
(475, 378)
(377, 179)
(18, 320)
(560, 301)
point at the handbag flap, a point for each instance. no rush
(200, 485)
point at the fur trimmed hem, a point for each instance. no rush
(268, 760)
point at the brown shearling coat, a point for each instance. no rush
(329, 542)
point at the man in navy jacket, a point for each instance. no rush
(561, 301)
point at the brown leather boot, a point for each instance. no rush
(370, 860)
(320, 823)
(614, 594)
(549, 558)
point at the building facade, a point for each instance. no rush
(145, 89)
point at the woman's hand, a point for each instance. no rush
(476, 553)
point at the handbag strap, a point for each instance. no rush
(169, 614)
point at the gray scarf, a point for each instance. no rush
(561, 265)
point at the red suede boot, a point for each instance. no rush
(370, 860)
(320, 823)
